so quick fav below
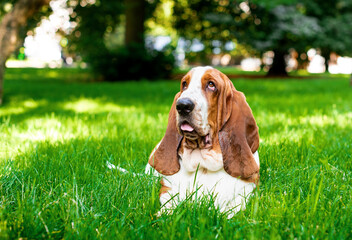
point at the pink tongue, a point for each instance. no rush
(207, 139)
(186, 127)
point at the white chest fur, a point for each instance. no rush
(202, 171)
(205, 160)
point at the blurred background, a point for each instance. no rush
(136, 39)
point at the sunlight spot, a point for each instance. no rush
(12, 110)
(343, 65)
(44, 129)
(53, 74)
(316, 64)
(284, 127)
(294, 135)
(30, 104)
(8, 7)
(244, 7)
(85, 105)
(21, 107)
(341, 120)
(250, 64)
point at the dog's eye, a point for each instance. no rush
(211, 86)
(184, 85)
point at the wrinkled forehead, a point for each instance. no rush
(195, 76)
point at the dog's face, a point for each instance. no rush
(198, 105)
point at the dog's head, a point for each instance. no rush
(201, 107)
(209, 112)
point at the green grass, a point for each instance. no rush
(57, 132)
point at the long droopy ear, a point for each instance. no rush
(239, 138)
(165, 158)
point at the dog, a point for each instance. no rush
(210, 145)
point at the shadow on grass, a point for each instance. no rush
(25, 100)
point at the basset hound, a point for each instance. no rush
(210, 144)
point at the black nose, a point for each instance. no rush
(184, 106)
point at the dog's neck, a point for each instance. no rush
(194, 157)
(199, 143)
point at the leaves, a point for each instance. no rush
(269, 25)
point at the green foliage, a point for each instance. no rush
(57, 133)
(269, 25)
(336, 36)
(115, 62)
(205, 20)
(134, 62)
(282, 26)
(270, 4)
(93, 23)
(290, 28)
(6, 6)
(334, 18)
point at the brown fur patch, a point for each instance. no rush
(163, 189)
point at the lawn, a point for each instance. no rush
(57, 131)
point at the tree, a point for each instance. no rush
(334, 18)
(285, 27)
(95, 22)
(264, 25)
(11, 26)
(123, 60)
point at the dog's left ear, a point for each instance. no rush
(165, 157)
(238, 136)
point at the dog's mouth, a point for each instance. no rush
(186, 127)
(190, 133)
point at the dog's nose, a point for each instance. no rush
(184, 106)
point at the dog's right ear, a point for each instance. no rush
(164, 158)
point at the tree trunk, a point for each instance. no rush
(278, 68)
(135, 17)
(10, 27)
(326, 56)
(2, 69)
